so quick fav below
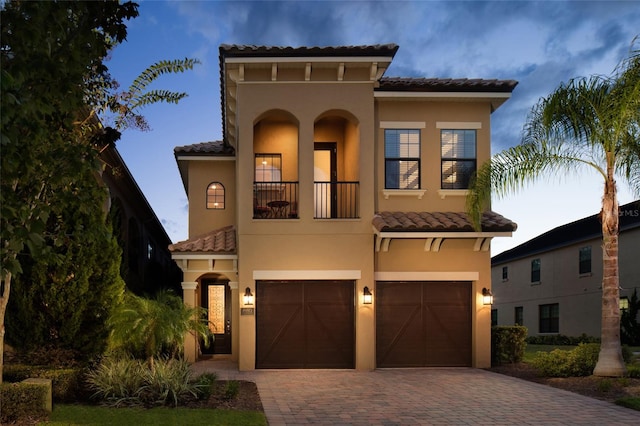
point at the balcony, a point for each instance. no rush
(332, 200)
(336, 200)
(275, 200)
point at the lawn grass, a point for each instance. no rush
(629, 402)
(64, 414)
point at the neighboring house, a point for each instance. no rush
(146, 261)
(327, 228)
(552, 284)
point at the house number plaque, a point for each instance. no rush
(246, 311)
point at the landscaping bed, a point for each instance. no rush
(603, 388)
(246, 399)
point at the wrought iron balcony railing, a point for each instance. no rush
(275, 200)
(336, 200)
(332, 200)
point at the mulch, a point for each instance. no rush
(603, 388)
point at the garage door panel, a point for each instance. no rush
(399, 335)
(280, 338)
(322, 335)
(423, 324)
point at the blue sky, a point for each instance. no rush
(539, 44)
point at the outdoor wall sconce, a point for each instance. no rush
(248, 297)
(367, 297)
(487, 297)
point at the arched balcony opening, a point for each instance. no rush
(275, 179)
(336, 166)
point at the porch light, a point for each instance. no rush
(367, 296)
(487, 297)
(248, 297)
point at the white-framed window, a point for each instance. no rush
(215, 196)
(402, 158)
(458, 157)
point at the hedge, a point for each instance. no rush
(507, 344)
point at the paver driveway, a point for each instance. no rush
(428, 396)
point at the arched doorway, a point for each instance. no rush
(215, 297)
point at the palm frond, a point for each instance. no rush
(149, 75)
(514, 169)
(155, 96)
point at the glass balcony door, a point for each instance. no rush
(325, 176)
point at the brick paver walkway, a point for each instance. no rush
(430, 396)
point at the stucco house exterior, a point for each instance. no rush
(327, 227)
(552, 284)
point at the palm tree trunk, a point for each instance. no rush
(610, 362)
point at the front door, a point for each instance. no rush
(216, 299)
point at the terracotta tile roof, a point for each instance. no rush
(234, 50)
(209, 148)
(222, 241)
(439, 222)
(445, 85)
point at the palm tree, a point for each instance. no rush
(147, 326)
(586, 124)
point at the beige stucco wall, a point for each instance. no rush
(456, 261)
(201, 174)
(341, 113)
(287, 116)
(194, 271)
(429, 113)
(309, 257)
(353, 101)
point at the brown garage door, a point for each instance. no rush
(304, 324)
(423, 324)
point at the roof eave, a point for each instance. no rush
(495, 98)
(440, 234)
(182, 255)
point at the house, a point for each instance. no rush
(552, 284)
(327, 227)
(146, 261)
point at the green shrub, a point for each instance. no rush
(562, 363)
(633, 371)
(552, 364)
(17, 372)
(231, 389)
(605, 385)
(507, 344)
(117, 382)
(205, 384)
(561, 340)
(168, 384)
(67, 383)
(129, 382)
(627, 354)
(22, 401)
